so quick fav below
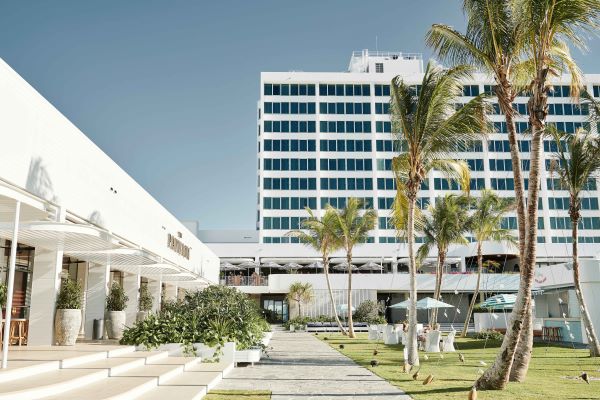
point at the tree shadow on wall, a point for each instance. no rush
(39, 181)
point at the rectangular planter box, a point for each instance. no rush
(247, 356)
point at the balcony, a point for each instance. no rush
(236, 280)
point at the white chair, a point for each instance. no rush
(448, 343)
(419, 329)
(432, 341)
(389, 335)
(373, 332)
(401, 336)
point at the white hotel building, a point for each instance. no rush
(79, 215)
(325, 136)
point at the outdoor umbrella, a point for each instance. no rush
(271, 264)
(500, 302)
(343, 308)
(344, 267)
(249, 264)
(370, 266)
(226, 266)
(291, 266)
(315, 265)
(424, 304)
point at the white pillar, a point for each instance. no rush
(45, 283)
(11, 284)
(463, 264)
(170, 292)
(96, 292)
(131, 285)
(155, 288)
(82, 269)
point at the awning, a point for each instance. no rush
(146, 270)
(121, 256)
(61, 236)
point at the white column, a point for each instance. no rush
(131, 285)
(155, 288)
(45, 283)
(170, 292)
(96, 292)
(11, 284)
(82, 269)
(463, 264)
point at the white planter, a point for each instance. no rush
(292, 328)
(267, 338)
(115, 324)
(66, 326)
(247, 356)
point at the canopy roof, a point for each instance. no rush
(424, 304)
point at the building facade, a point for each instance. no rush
(323, 137)
(76, 214)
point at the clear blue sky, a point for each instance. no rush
(169, 88)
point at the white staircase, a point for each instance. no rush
(97, 372)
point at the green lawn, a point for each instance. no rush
(549, 374)
(238, 394)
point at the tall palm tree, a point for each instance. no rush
(430, 127)
(444, 224)
(301, 293)
(353, 227)
(486, 225)
(319, 233)
(495, 43)
(575, 170)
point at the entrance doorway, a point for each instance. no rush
(275, 310)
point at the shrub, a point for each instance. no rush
(146, 299)
(297, 321)
(117, 299)
(370, 312)
(69, 295)
(489, 335)
(3, 294)
(213, 316)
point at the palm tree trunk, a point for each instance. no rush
(299, 309)
(497, 376)
(438, 285)
(351, 333)
(475, 292)
(585, 315)
(335, 314)
(411, 343)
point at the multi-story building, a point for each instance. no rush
(323, 137)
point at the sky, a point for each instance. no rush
(168, 89)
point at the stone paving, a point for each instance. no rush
(302, 367)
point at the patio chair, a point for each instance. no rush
(432, 342)
(373, 332)
(389, 335)
(448, 343)
(401, 336)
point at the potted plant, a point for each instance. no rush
(145, 303)
(68, 313)
(115, 305)
(3, 296)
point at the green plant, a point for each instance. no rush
(213, 316)
(297, 321)
(69, 295)
(489, 335)
(301, 293)
(146, 299)
(369, 311)
(117, 299)
(3, 294)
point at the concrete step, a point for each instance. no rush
(149, 356)
(162, 373)
(113, 388)
(186, 362)
(50, 383)
(115, 365)
(25, 368)
(194, 378)
(175, 392)
(224, 368)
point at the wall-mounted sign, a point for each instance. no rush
(177, 246)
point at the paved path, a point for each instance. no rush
(302, 367)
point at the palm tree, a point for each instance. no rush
(301, 293)
(429, 127)
(574, 171)
(495, 43)
(353, 229)
(443, 225)
(486, 225)
(320, 235)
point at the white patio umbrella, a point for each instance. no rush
(291, 266)
(343, 308)
(424, 304)
(315, 265)
(249, 264)
(271, 264)
(226, 266)
(344, 267)
(500, 302)
(370, 266)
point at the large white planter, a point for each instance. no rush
(247, 356)
(115, 324)
(66, 326)
(266, 338)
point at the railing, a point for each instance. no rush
(400, 55)
(245, 281)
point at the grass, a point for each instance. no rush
(238, 394)
(552, 371)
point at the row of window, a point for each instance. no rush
(503, 146)
(581, 239)
(286, 223)
(342, 164)
(557, 184)
(280, 239)
(382, 108)
(390, 184)
(340, 202)
(345, 108)
(391, 145)
(290, 164)
(290, 183)
(290, 145)
(289, 89)
(385, 203)
(346, 183)
(345, 126)
(291, 126)
(346, 145)
(562, 203)
(290, 108)
(289, 203)
(344, 90)
(584, 223)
